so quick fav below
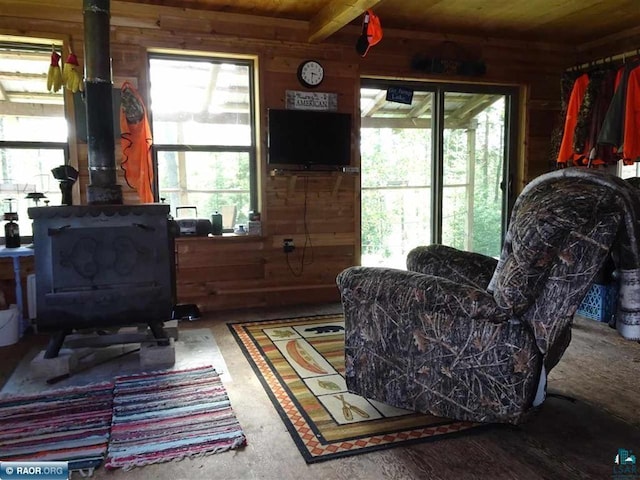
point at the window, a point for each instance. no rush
(33, 129)
(433, 169)
(203, 122)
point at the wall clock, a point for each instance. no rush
(310, 73)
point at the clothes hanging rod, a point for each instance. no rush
(611, 58)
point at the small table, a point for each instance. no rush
(15, 254)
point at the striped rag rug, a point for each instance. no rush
(70, 424)
(170, 415)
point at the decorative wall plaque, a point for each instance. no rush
(297, 100)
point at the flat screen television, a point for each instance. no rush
(309, 140)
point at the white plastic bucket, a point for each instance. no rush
(9, 326)
(628, 313)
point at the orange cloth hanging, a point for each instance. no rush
(631, 145)
(136, 141)
(566, 152)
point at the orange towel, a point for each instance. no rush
(136, 141)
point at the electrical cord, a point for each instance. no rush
(307, 238)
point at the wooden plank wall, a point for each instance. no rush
(225, 273)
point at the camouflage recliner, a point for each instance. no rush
(469, 337)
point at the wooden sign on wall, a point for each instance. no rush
(297, 100)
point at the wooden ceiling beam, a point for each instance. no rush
(20, 109)
(335, 15)
(35, 97)
(611, 44)
(396, 122)
(468, 108)
(211, 87)
(377, 104)
(406, 123)
(31, 56)
(421, 107)
(23, 76)
(238, 118)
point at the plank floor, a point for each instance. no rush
(567, 439)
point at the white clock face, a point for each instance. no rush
(311, 73)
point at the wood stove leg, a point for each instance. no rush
(159, 333)
(55, 343)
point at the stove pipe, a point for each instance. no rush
(103, 188)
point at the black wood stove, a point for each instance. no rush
(103, 264)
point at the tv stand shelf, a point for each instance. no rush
(293, 176)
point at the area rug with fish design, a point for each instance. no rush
(300, 363)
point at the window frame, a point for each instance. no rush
(251, 150)
(31, 44)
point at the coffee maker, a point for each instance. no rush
(11, 228)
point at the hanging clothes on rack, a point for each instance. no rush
(585, 112)
(588, 129)
(566, 86)
(578, 92)
(602, 118)
(612, 132)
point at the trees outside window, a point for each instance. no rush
(204, 133)
(432, 170)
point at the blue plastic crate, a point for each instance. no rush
(599, 303)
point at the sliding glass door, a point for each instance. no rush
(397, 172)
(435, 161)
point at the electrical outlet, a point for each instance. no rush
(288, 245)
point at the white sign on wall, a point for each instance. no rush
(297, 100)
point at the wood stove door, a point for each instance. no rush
(107, 276)
(94, 258)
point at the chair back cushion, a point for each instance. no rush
(559, 236)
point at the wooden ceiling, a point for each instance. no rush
(573, 22)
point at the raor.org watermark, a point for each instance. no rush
(624, 465)
(34, 471)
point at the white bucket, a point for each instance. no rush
(9, 326)
(628, 312)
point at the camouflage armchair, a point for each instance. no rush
(464, 336)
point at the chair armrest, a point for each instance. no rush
(414, 293)
(456, 265)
